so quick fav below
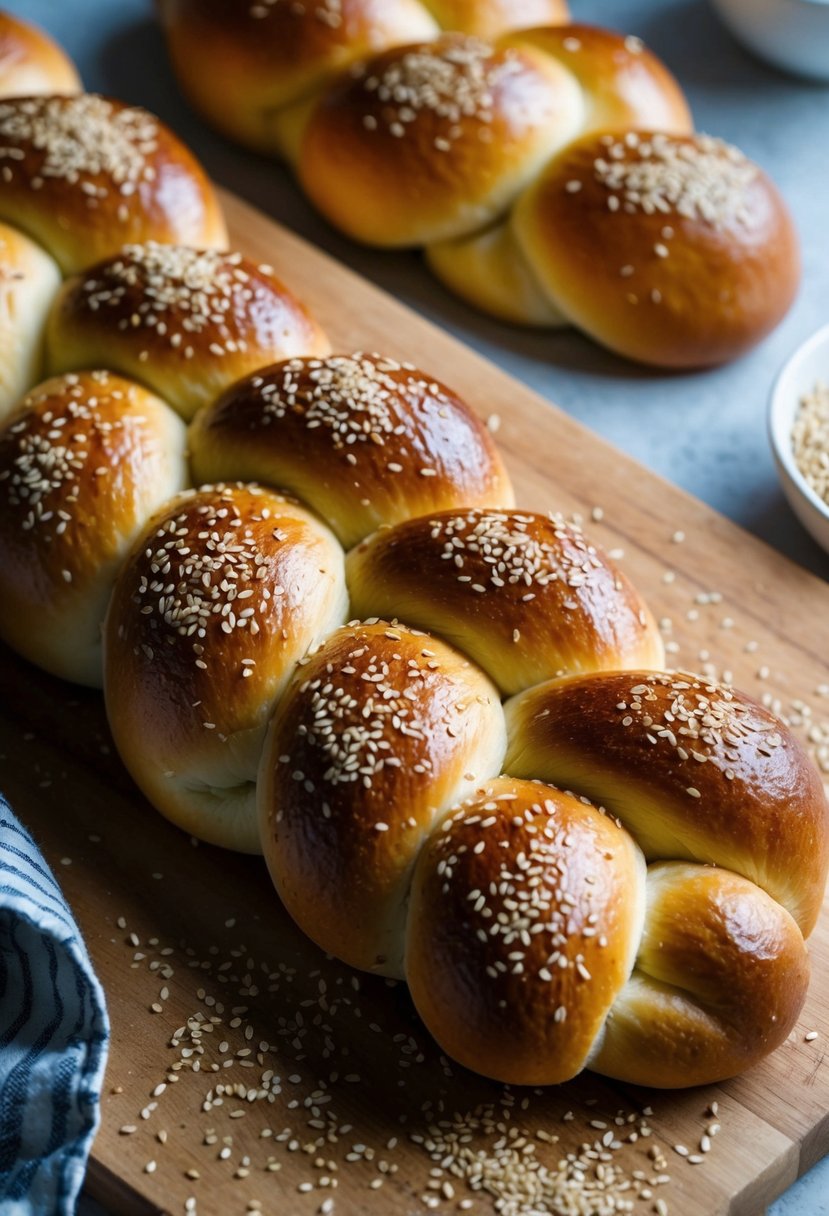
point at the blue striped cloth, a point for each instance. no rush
(54, 1034)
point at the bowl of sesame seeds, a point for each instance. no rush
(799, 433)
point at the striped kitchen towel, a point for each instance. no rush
(53, 1036)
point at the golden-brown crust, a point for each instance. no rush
(83, 464)
(695, 770)
(29, 282)
(489, 18)
(264, 55)
(187, 322)
(624, 85)
(431, 141)
(363, 439)
(525, 915)
(85, 175)
(524, 595)
(221, 596)
(382, 730)
(720, 979)
(674, 250)
(31, 62)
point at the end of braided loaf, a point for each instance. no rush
(550, 172)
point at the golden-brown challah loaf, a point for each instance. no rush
(84, 175)
(29, 282)
(188, 322)
(524, 595)
(537, 945)
(31, 62)
(84, 463)
(383, 730)
(222, 595)
(362, 439)
(270, 60)
(694, 770)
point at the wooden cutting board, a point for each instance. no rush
(332, 1082)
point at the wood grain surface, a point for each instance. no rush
(332, 1083)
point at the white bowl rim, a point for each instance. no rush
(779, 402)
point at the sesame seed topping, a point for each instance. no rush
(178, 293)
(356, 399)
(531, 896)
(701, 721)
(327, 12)
(703, 179)
(80, 139)
(209, 572)
(356, 720)
(65, 426)
(495, 549)
(453, 81)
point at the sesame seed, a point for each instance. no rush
(77, 140)
(179, 293)
(699, 178)
(453, 81)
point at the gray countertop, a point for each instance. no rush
(705, 431)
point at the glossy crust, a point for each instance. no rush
(224, 592)
(694, 770)
(527, 907)
(424, 143)
(720, 978)
(83, 464)
(624, 85)
(187, 322)
(361, 438)
(381, 731)
(29, 282)
(31, 62)
(85, 175)
(673, 250)
(524, 595)
(489, 18)
(266, 55)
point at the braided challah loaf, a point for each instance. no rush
(649, 923)
(514, 161)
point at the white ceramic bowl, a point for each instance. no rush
(791, 34)
(808, 365)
